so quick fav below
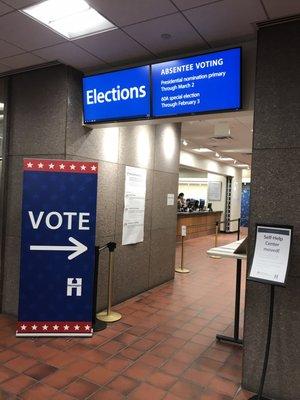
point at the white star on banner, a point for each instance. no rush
(76, 327)
(51, 166)
(66, 327)
(62, 166)
(55, 327)
(83, 167)
(40, 165)
(34, 327)
(29, 165)
(23, 327)
(45, 327)
(93, 167)
(87, 327)
(72, 166)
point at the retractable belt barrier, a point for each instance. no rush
(107, 315)
(218, 223)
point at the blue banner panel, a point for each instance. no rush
(57, 248)
(117, 95)
(209, 82)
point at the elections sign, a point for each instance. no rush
(57, 249)
(209, 82)
(117, 95)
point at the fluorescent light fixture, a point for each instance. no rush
(217, 154)
(1, 106)
(226, 159)
(203, 150)
(184, 142)
(1, 116)
(70, 18)
(242, 165)
(234, 162)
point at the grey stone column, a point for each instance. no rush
(275, 199)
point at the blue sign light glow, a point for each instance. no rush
(117, 95)
(209, 82)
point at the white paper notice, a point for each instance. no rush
(134, 205)
(170, 199)
(271, 256)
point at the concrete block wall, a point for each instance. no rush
(46, 121)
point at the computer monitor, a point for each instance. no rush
(201, 204)
(209, 206)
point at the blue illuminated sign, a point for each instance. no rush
(209, 82)
(117, 95)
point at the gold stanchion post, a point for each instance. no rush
(181, 269)
(216, 239)
(108, 315)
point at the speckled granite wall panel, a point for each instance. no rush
(275, 199)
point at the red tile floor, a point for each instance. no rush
(163, 348)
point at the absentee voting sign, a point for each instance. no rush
(57, 248)
(117, 95)
(271, 255)
(209, 82)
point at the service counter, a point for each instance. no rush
(198, 224)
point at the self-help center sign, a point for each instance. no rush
(57, 250)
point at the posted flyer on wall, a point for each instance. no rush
(271, 255)
(134, 205)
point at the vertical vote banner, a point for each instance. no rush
(57, 248)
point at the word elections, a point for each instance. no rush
(54, 220)
(191, 67)
(115, 94)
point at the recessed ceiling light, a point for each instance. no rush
(1, 106)
(203, 150)
(234, 162)
(226, 159)
(217, 154)
(70, 18)
(184, 142)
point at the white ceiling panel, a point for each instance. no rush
(126, 12)
(22, 61)
(7, 49)
(228, 19)
(18, 4)
(283, 8)
(186, 4)
(183, 36)
(113, 47)
(70, 54)
(26, 33)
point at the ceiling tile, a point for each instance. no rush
(183, 36)
(70, 54)
(18, 4)
(7, 49)
(186, 4)
(29, 34)
(4, 68)
(278, 9)
(113, 47)
(22, 60)
(128, 12)
(4, 8)
(227, 20)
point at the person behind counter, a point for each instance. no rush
(180, 201)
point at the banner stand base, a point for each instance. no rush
(99, 325)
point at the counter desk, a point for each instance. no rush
(198, 223)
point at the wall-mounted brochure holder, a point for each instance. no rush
(270, 266)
